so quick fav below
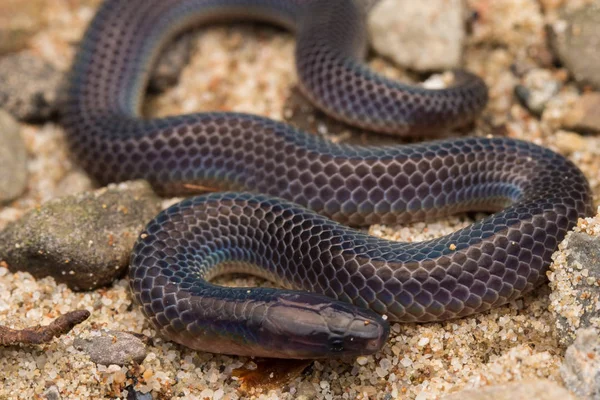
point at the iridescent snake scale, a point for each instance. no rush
(267, 230)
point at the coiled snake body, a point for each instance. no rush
(267, 231)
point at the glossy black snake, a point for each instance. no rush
(267, 231)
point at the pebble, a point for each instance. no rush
(362, 360)
(13, 159)
(29, 87)
(581, 368)
(538, 87)
(584, 115)
(218, 394)
(367, 391)
(569, 142)
(575, 279)
(112, 347)
(421, 35)
(133, 394)
(52, 393)
(575, 38)
(532, 389)
(306, 391)
(82, 240)
(19, 21)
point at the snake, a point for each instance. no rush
(291, 206)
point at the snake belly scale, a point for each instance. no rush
(298, 191)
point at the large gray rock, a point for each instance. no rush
(421, 35)
(576, 39)
(83, 240)
(13, 159)
(581, 368)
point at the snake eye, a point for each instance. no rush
(336, 344)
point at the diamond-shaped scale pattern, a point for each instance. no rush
(270, 231)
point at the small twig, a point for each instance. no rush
(42, 334)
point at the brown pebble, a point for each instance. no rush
(584, 116)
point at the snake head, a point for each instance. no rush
(308, 325)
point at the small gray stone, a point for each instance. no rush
(133, 394)
(575, 39)
(112, 347)
(13, 159)
(533, 389)
(29, 87)
(82, 240)
(52, 393)
(170, 63)
(581, 368)
(538, 87)
(421, 35)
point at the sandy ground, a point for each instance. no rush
(227, 72)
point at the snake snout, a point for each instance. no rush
(355, 331)
(369, 334)
(308, 325)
